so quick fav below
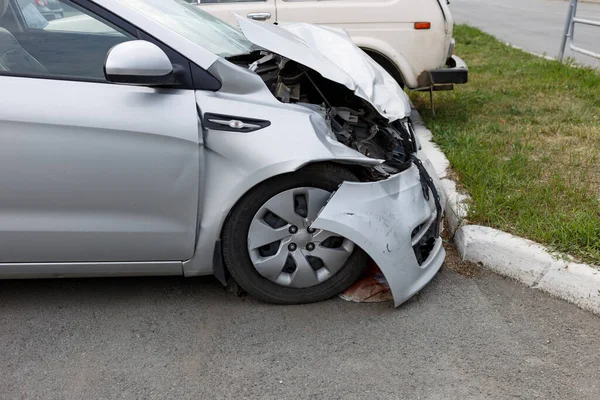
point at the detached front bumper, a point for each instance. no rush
(455, 72)
(394, 223)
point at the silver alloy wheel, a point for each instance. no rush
(286, 250)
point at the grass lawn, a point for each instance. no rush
(523, 136)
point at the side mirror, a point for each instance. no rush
(138, 62)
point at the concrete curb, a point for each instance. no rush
(523, 260)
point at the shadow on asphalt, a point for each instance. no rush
(135, 291)
(204, 289)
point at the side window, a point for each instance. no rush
(55, 38)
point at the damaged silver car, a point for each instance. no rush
(281, 157)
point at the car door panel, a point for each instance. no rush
(97, 172)
(339, 12)
(225, 9)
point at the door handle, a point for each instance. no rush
(259, 16)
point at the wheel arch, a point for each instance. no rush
(352, 166)
(209, 241)
(219, 268)
(387, 64)
(390, 55)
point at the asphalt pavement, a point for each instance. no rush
(471, 334)
(535, 25)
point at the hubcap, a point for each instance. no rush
(286, 250)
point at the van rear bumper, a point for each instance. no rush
(455, 72)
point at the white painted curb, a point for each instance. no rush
(523, 260)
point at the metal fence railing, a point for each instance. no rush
(569, 33)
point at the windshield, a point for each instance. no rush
(195, 25)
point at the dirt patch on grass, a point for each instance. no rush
(455, 263)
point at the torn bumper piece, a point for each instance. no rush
(394, 224)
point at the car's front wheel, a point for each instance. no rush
(272, 251)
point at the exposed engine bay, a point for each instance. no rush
(353, 121)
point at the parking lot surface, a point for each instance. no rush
(478, 336)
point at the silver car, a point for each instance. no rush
(278, 157)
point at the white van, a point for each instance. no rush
(411, 39)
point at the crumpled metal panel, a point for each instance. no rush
(332, 53)
(380, 218)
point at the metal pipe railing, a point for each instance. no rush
(569, 33)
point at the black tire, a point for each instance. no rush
(235, 235)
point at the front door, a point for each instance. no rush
(352, 15)
(89, 171)
(259, 10)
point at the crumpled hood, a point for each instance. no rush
(331, 52)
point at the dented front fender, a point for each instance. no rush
(388, 220)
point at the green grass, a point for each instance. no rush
(523, 137)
